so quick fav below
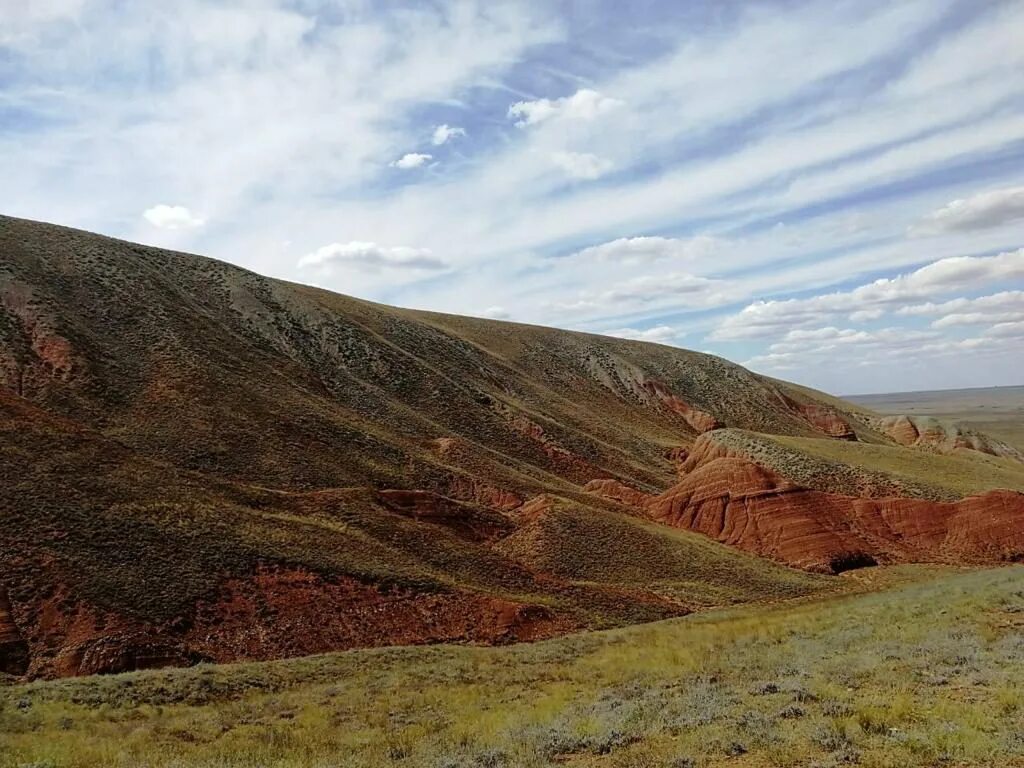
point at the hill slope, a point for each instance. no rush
(210, 464)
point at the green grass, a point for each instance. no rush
(866, 469)
(923, 669)
(963, 473)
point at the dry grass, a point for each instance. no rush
(924, 671)
(962, 473)
(866, 469)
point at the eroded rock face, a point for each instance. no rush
(613, 489)
(734, 500)
(468, 522)
(828, 421)
(14, 658)
(737, 502)
(701, 421)
(278, 613)
(285, 612)
(926, 432)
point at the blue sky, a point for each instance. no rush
(828, 192)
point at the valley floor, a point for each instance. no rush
(914, 666)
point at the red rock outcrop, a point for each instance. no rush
(901, 429)
(464, 520)
(701, 421)
(738, 502)
(828, 420)
(13, 649)
(620, 492)
(279, 613)
(925, 432)
(292, 612)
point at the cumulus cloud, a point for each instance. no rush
(172, 217)
(445, 133)
(660, 334)
(680, 289)
(981, 211)
(581, 165)
(809, 346)
(496, 313)
(585, 104)
(411, 160)
(767, 318)
(635, 250)
(1005, 306)
(865, 315)
(372, 257)
(1014, 330)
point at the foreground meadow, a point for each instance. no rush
(912, 667)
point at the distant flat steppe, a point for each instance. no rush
(998, 411)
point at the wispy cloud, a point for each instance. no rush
(992, 208)
(585, 104)
(660, 334)
(445, 133)
(765, 318)
(372, 256)
(581, 165)
(412, 160)
(172, 217)
(736, 173)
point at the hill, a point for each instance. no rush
(202, 463)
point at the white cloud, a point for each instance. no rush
(23, 20)
(636, 250)
(809, 347)
(674, 290)
(767, 318)
(272, 119)
(1013, 330)
(172, 217)
(581, 165)
(496, 313)
(445, 133)
(411, 160)
(985, 209)
(1002, 307)
(372, 256)
(995, 301)
(660, 334)
(865, 315)
(585, 104)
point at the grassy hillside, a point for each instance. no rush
(914, 668)
(197, 450)
(867, 469)
(959, 474)
(207, 464)
(136, 545)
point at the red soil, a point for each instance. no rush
(292, 612)
(462, 519)
(276, 613)
(701, 421)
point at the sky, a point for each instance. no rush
(826, 192)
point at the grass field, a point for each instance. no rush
(913, 667)
(962, 473)
(866, 469)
